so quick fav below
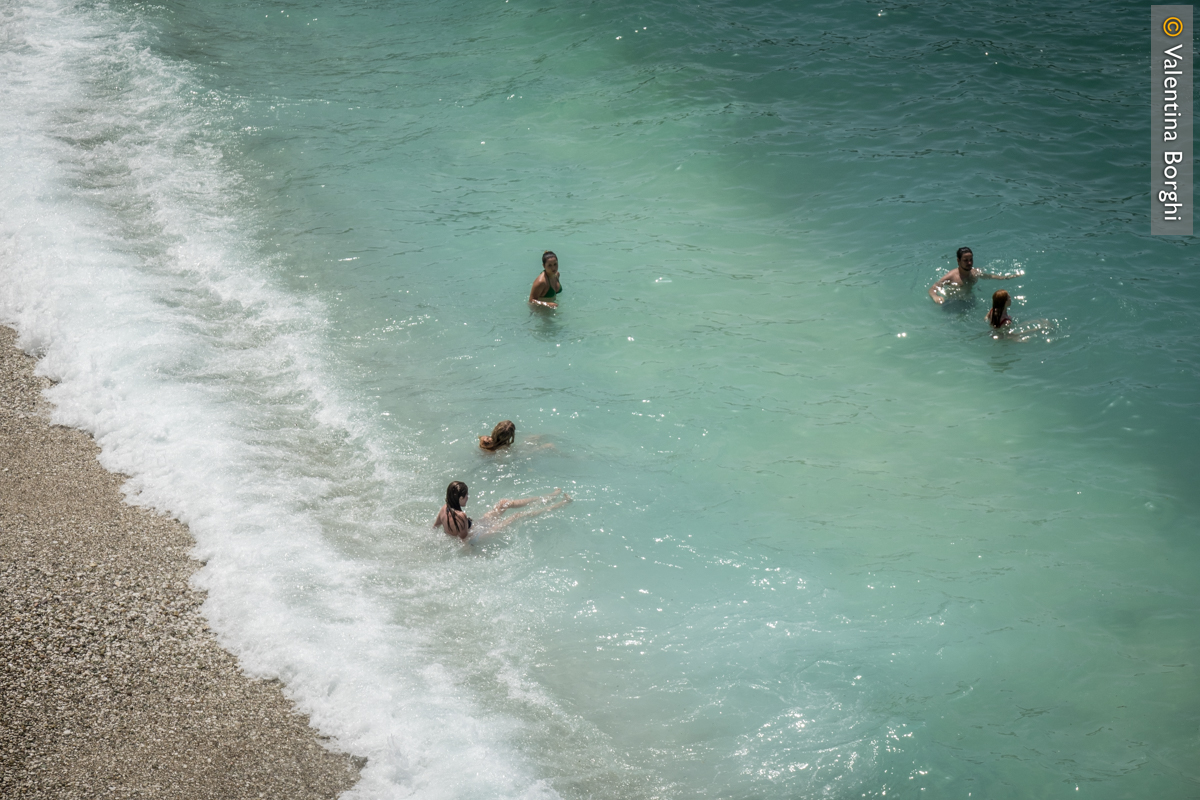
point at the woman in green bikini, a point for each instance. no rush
(547, 286)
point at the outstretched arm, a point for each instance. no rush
(1016, 274)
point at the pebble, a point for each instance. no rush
(111, 683)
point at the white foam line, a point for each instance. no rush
(125, 265)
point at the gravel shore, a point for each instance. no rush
(111, 684)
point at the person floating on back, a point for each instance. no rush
(547, 286)
(964, 276)
(998, 316)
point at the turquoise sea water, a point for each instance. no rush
(828, 539)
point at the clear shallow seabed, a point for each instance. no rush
(828, 539)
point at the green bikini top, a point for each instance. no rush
(550, 293)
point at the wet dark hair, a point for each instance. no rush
(502, 435)
(999, 299)
(456, 491)
(546, 255)
(958, 256)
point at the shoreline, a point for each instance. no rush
(111, 683)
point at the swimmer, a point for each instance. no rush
(502, 436)
(455, 521)
(998, 317)
(964, 275)
(1005, 327)
(505, 434)
(547, 286)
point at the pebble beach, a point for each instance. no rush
(111, 683)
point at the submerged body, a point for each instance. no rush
(454, 521)
(503, 435)
(1027, 331)
(997, 316)
(547, 286)
(963, 277)
(1005, 327)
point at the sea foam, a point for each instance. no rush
(130, 266)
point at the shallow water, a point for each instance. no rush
(828, 539)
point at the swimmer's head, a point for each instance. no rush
(455, 492)
(502, 435)
(965, 257)
(546, 256)
(1000, 301)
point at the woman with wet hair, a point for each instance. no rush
(547, 286)
(455, 521)
(998, 316)
(502, 436)
(451, 517)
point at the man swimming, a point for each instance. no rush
(964, 276)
